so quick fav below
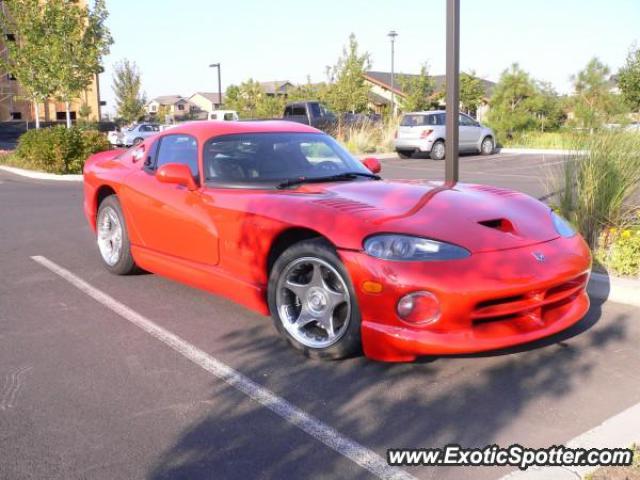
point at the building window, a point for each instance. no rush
(16, 115)
(181, 106)
(153, 108)
(63, 115)
(11, 76)
(11, 37)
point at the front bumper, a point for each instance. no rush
(488, 301)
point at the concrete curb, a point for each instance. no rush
(41, 175)
(539, 151)
(379, 156)
(619, 290)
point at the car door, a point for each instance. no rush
(469, 132)
(168, 218)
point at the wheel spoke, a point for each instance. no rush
(316, 277)
(304, 319)
(297, 288)
(326, 323)
(335, 298)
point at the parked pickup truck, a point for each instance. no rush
(310, 113)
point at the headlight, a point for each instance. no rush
(563, 227)
(404, 247)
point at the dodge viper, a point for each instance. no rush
(278, 217)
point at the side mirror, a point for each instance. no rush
(373, 164)
(177, 174)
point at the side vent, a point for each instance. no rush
(501, 224)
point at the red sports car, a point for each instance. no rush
(279, 217)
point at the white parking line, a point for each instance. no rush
(619, 431)
(307, 423)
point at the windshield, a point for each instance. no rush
(269, 159)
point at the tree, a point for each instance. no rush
(629, 79)
(78, 40)
(593, 102)
(471, 92)
(511, 106)
(308, 91)
(418, 91)
(546, 107)
(127, 86)
(349, 92)
(28, 57)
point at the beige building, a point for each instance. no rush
(206, 101)
(15, 107)
(380, 91)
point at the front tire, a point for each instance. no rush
(312, 301)
(437, 150)
(487, 146)
(137, 141)
(113, 239)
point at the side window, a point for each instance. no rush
(288, 111)
(151, 155)
(466, 121)
(299, 110)
(178, 149)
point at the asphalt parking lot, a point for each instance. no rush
(85, 393)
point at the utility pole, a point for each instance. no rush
(452, 170)
(217, 65)
(392, 35)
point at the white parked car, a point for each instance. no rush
(425, 132)
(224, 115)
(133, 135)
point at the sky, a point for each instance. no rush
(173, 42)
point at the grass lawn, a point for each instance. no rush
(552, 140)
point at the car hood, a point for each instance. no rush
(477, 217)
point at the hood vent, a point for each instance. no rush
(501, 224)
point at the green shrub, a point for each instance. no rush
(58, 149)
(368, 137)
(619, 251)
(599, 185)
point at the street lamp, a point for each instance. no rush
(392, 35)
(217, 65)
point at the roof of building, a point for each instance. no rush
(213, 97)
(275, 86)
(169, 99)
(384, 80)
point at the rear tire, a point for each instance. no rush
(113, 238)
(312, 301)
(437, 150)
(137, 141)
(404, 153)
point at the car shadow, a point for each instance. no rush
(471, 400)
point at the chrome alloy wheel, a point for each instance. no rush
(313, 302)
(109, 236)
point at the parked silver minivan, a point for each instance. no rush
(425, 132)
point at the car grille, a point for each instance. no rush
(535, 306)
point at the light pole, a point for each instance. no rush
(392, 35)
(451, 168)
(217, 65)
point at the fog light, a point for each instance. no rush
(419, 308)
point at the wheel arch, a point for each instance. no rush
(101, 193)
(288, 237)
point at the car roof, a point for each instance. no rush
(205, 129)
